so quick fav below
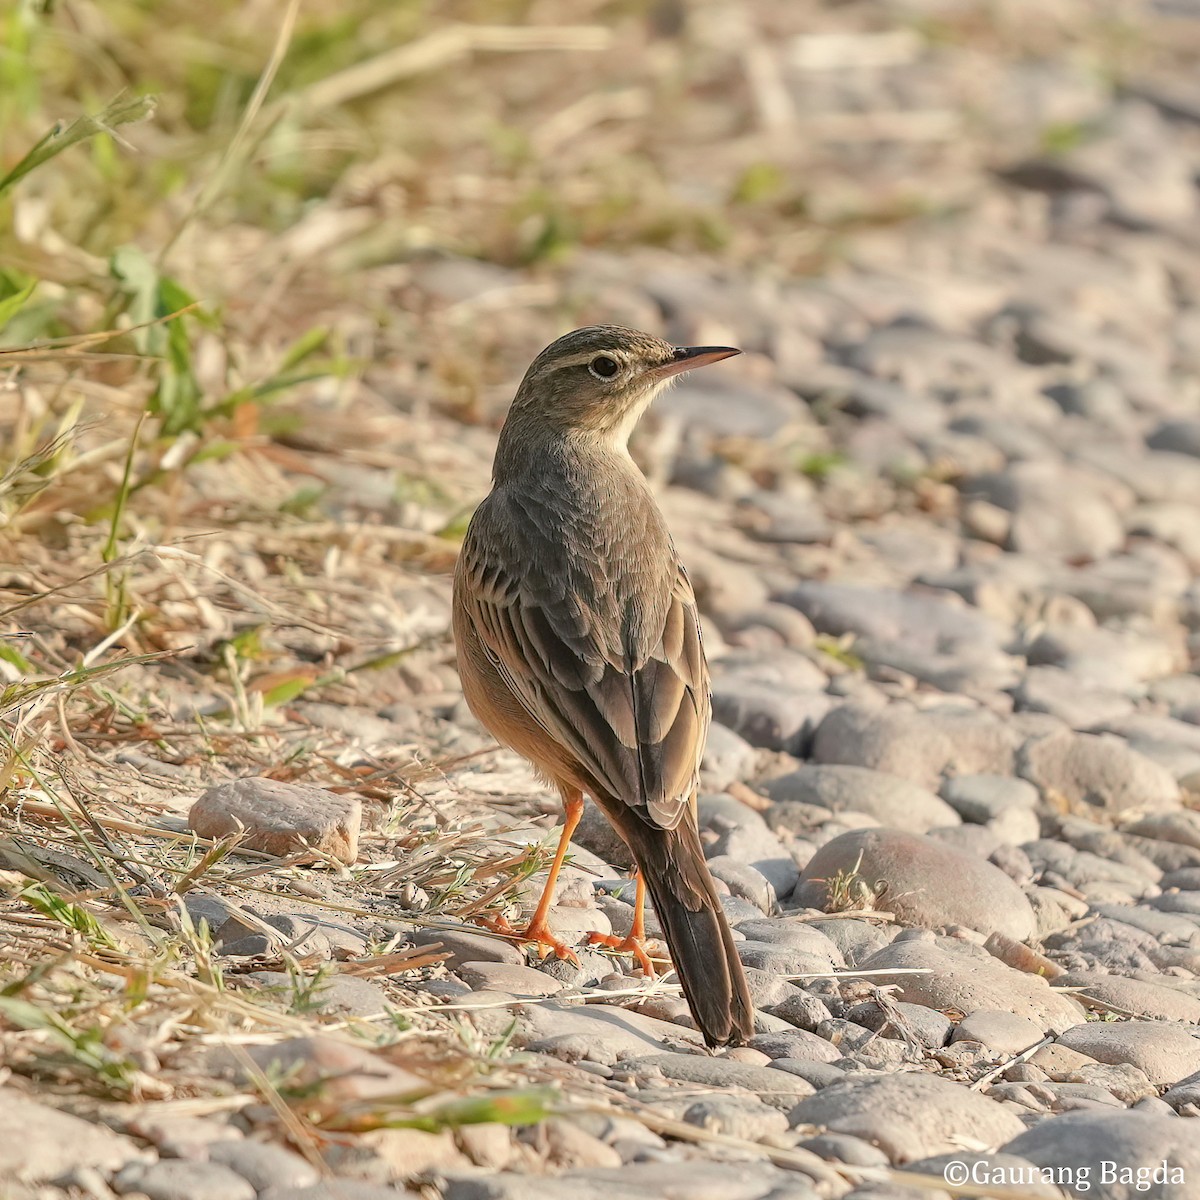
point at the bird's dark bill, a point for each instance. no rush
(688, 358)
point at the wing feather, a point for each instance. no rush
(614, 676)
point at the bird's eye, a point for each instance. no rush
(603, 367)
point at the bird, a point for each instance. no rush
(578, 644)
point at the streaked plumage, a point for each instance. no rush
(579, 640)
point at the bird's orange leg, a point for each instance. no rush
(538, 930)
(635, 943)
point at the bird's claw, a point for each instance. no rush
(536, 933)
(626, 945)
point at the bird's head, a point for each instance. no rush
(599, 380)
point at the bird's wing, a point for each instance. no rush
(625, 692)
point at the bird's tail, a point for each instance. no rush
(693, 922)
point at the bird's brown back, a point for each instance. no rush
(573, 580)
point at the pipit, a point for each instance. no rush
(579, 643)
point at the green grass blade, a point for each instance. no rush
(124, 110)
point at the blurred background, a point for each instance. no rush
(272, 271)
(269, 275)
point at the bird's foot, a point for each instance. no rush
(632, 944)
(536, 933)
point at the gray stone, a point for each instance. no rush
(908, 1116)
(1101, 772)
(999, 1168)
(180, 1179)
(795, 934)
(1083, 1142)
(333, 1189)
(745, 883)
(796, 1044)
(802, 1009)
(771, 715)
(819, 1074)
(1166, 1053)
(343, 995)
(1123, 1081)
(736, 1116)
(924, 634)
(262, 1165)
(924, 1025)
(782, 959)
(918, 745)
(775, 1089)
(1079, 703)
(728, 758)
(596, 1032)
(968, 978)
(508, 977)
(890, 799)
(856, 939)
(843, 1148)
(38, 1143)
(280, 818)
(982, 798)
(1056, 510)
(922, 882)
(999, 1030)
(1111, 659)
(754, 844)
(1137, 996)
(1182, 436)
(468, 945)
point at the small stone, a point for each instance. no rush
(926, 1026)
(596, 1032)
(343, 995)
(1166, 1053)
(751, 842)
(262, 1165)
(181, 1179)
(920, 746)
(468, 945)
(728, 758)
(890, 799)
(488, 1145)
(775, 1089)
(333, 1189)
(1056, 510)
(569, 1145)
(1137, 996)
(908, 1116)
(999, 1030)
(508, 977)
(404, 1153)
(328, 1067)
(280, 818)
(180, 1137)
(802, 1009)
(967, 978)
(1122, 1080)
(796, 1044)
(736, 1116)
(843, 1148)
(921, 881)
(39, 1143)
(1089, 1143)
(744, 882)
(982, 798)
(1100, 772)
(1056, 1059)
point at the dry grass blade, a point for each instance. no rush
(447, 45)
